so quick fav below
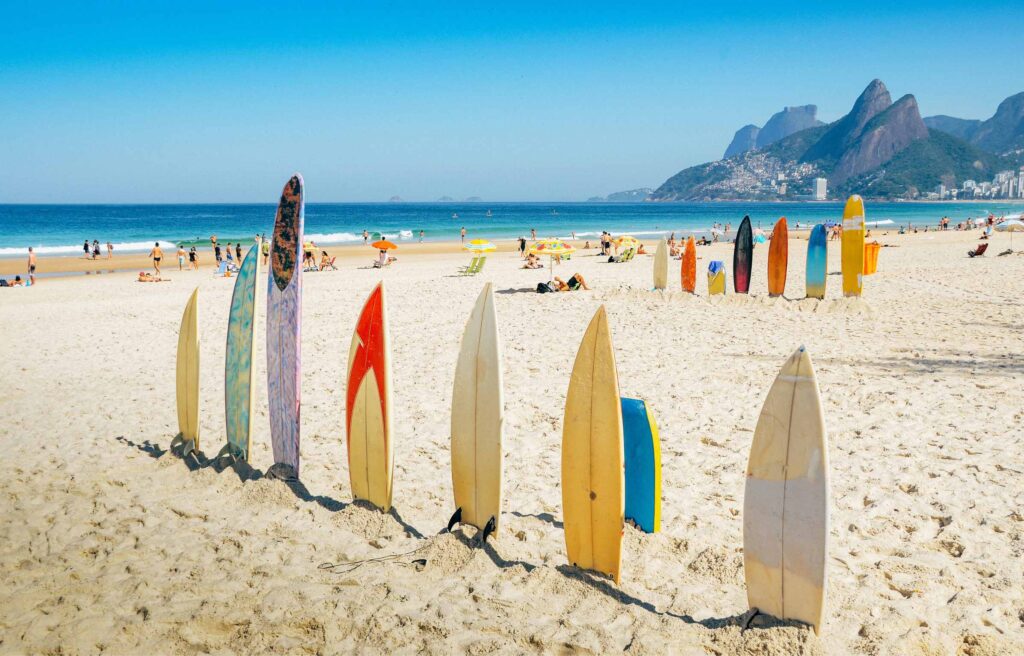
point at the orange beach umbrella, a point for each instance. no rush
(384, 245)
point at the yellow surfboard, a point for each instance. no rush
(853, 246)
(187, 374)
(786, 501)
(478, 415)
(593, 485)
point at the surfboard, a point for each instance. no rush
(478, 415)
(371, 456)
(853, 246)
(742, 257)
(778, 258)
(785, 504)
(187, 374)
(593, 498)
(716, 278)
(284, 325)
(642, 453)
(661, 265)
(689, 267)
(817, 262)
(238, 387)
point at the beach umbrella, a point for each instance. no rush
(1011, 227)
(383, 245)
(556, 248)
(480, 246)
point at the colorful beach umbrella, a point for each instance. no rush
(556, 248)
(383, 245)
(480, 246)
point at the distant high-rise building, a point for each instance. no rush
(1020, 183)
(941, 191)
(820, 188)
(782, 189)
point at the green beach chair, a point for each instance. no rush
(473, 267)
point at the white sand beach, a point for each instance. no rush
(109, 543)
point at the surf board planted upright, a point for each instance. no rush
(689, 266)
(785, 504)
(238, 387)
(853, 246)
(778, 258)
(593, 497)
(371, 456)
(817, 262)
(742, 257)
(187, 375)
(642, 454)
(478, 415)
(661, 265)
(284, 325)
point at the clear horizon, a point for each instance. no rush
(185, 104)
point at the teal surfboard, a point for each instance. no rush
(238, 387)
(643, 465)
(817, 262)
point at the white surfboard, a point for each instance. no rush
(478, 415)
(786, 501)
(661, 265)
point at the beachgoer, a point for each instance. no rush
(17, 282)
(95, 249)
(324, 260)
(641, 251)
(230, 257)
(265, 247)
(522, 247)
(216, 252)
(157, 255)
(110, 250)
(586, 246)
(573, 233)
(366, 236)
(532, 262)
(148, 277)
(463, 234)
(31, 266)
(193, 258)
(85, 248)
(533, 234)
(571, 285)
(421, 236)
(238, 252)
(181, 257)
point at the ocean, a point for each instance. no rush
(61, 229)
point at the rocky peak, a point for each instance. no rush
(874, 100)
(745, 139)
(881, 138)
(1005, 130)
(789, 121)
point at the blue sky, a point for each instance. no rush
(182, 102)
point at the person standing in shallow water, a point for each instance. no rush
(463, 234)
(85, 249)
(366, 237)
(31, 266)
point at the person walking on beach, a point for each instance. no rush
(95, 249)
(533, 234)
(110, 250)
(421, 236)
(216, 252)
(85, 249)
(31, 266)
(238, 252)
(193, 259)
(265, 247)
(463, 234)
(366, 237)
(181, 257)
(522, 248)
(157, 255)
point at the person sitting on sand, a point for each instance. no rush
(641, 251)
(533, 262)
(325, 261)
(149, 277)
(587, 246)
(571, 285)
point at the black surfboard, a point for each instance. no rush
(742, 257)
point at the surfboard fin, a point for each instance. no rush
(456, 519)
(489, 528)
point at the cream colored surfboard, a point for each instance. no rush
(187, 374)
(478, 414)
(593, 485)
(786, 501)
(661, 265)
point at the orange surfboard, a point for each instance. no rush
(689, 272)
(778, 259)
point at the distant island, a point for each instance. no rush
(631, 196)
(881, 149)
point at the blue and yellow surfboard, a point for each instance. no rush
(643, 465)
(817, 259)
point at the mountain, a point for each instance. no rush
(961, 128)
(1004, 132)
(631, 196)
(745, 139)
(445, 199)
(880, 148)
(782, 124)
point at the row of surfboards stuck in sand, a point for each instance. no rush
(611, 469)
(853, 259)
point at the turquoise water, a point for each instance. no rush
(61, 229)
